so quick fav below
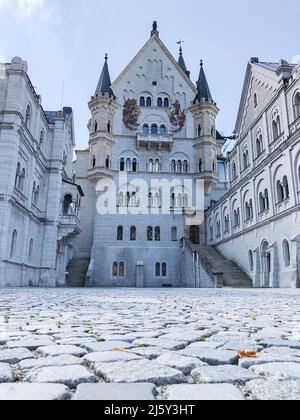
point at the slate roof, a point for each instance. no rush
(202, 87)
(104, 84)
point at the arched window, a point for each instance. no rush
(128, 165)
(286, 253)
(173, 166)
(154, 129)
(157, 233)
(107, 162)
(226, 224)
(159, 102)
(166, 103)
(237, 217)
(246, 159)
(234, 171)
(174, 234)
(18, 174)
(22, 180)
(261, 203)
(115, 269)
(146, 129)
(133, 233)
(286, 189)
(109, 127)
(255, 100)
(120, 233)
(164, 269)
(179, 166)
(200, 165)
(122, 164)
(150, 233)
(28, 116)
(122, 269)
(94, 162)
(134, 165)
(30, 251)
(157, 166)
(13, 246)
(96, 126)
(42, 138)
(37, 196)
(149, 102)
(142, 101)
(199, 131)
(259, 145)
(251, 260)
(185, 166)
(68, 200)
(297, 105)
(280, 191)
(163, 130)
(157, 269)
(276, 127)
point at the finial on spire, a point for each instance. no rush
(202, 86)
(104, 84)
(154, 29)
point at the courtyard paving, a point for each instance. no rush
(110, 344)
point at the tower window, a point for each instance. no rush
(133, 233)
(122, 165)
(94, 162)
(157, 233)
(150, 234)
(159, 102)
(149, 102)
(166, 103)
(120, 231)
(146, 129)
(154, 129)
(163, 130)
(142, 101)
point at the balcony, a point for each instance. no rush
(155, 141)
(69, 226)
(277, 142)
(295, 126)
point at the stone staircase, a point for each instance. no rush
(212, 261)
(233, 276)
(77, 270)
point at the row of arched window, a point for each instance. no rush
(14, 248)
(286, 256)
(132, 165)
(276, 121)
(148, 102)
(153, 233)
(154, 129)
(96, 127)
(178, 200)
(263, 205)
(118, 269)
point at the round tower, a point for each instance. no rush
(103, 106)
(205, 111)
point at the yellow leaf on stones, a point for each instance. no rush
(117, 349)
(254, 318)
(243, 354)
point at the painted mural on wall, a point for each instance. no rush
(131, 113)
(177, 116)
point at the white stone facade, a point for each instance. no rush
(256, 223)
(39, 201)
(146, 250)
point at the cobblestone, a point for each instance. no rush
(131, 344)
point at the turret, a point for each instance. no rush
(103, 106)
(205, 111)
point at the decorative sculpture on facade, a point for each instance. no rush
(131, 113)
(177, 116)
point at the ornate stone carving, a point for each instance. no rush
(131, 113)
(177, 116)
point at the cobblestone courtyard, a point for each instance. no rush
(149, 344)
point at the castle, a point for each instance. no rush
(152, 201)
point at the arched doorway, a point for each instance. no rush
(266, 264)
(194, 234)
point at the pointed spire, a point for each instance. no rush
(202, 86)
(104, 84)
(154, 29)
(181, 61)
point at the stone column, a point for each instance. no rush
(258, 270)
(274, 275)
(295, 262)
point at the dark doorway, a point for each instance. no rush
(195, 235)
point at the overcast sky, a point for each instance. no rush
(64, 42)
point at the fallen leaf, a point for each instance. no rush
(117, 349)
(243, 354)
